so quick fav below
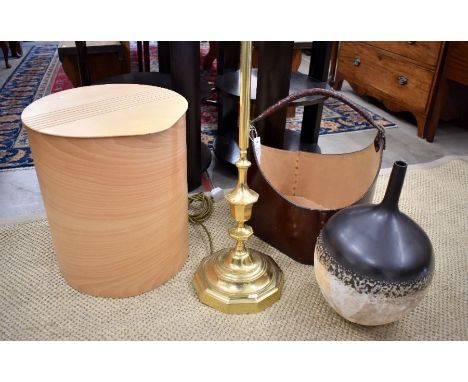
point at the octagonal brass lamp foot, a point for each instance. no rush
(248, 290)
(240, 280)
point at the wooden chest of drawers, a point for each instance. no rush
(402, 75)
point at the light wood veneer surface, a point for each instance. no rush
(114, 185)
(105, 111)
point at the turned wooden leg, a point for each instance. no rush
(273, 79)
(15, 48)
(433, 118)
(333, 62)
(319, 69)
(164, 57)
(5, 53)
(83, 67)
(211, 56)
(338, 82)
(421, 122)
(185, 73)
(140, 55)
(146, 56)
(311, 123)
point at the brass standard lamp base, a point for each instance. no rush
(248, 288)
(240, 280)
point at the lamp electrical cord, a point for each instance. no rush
(200, 209)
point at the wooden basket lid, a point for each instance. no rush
(105, 111)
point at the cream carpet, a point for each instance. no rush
(37, 304)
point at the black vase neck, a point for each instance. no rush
(395, 184)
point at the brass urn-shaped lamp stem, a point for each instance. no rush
(240, 280)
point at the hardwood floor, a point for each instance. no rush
(402, 142)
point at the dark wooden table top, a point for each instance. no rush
(230, 84)
(67, 48)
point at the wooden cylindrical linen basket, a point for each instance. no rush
(111, 164)
(299, 191)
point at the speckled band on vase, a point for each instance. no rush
(362, 299)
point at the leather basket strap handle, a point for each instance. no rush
(380, 138)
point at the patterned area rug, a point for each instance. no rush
(41, 73)
(19, 91)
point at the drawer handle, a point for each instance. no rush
(402, 80)
(357, 61)
(411, 42)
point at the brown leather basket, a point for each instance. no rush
(299, 191)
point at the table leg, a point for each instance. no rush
(440, 92)
(164, 57)
(4, 45)
(319, 69)
(228, 61)
(81, 55)
(185, 74)
(146, 54)
(274, 76)
(311, 123)
(140, 55)
(225, 144)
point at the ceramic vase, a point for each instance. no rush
(372, 262)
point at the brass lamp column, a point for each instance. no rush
(240, 280)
